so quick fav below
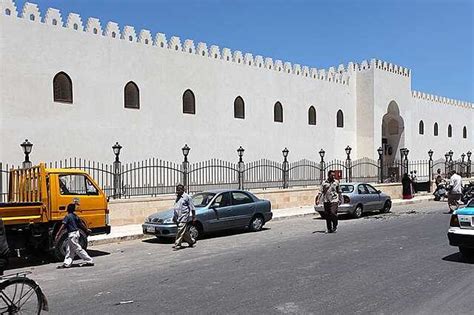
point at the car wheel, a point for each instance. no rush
(357, 212)
(467, 253)
(256, 224)
(195, 230)
(386, 207)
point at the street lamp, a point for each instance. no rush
(116, 148)
(462, 157)
(185, 150)
(430, 154)
(26, 146)
(348, 152)
(380, 152)
(321, 154)
(402, 153)
(285, 153)
(468, 155)
(450, 155)
(447, 157)
(240, 151)
(406, 153)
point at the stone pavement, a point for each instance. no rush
(134, 231)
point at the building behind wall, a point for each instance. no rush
(74, 87)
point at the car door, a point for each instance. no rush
(363, 196)
(243, 208)
(222, 208)
(373, 198)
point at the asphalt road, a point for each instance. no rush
(397, 263)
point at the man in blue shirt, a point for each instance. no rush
(184, 215)
(71, 223)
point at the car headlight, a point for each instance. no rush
(168, 221)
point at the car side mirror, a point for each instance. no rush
(216, 205)
(379, 192)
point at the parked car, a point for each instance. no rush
(359, 198)
(215, 210)
(461, 230)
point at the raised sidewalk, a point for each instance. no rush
(134, 231)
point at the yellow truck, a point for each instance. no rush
(37, 203)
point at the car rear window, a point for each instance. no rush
(347, 188)
(202, 199)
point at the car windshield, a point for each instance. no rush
(347, 188)
(471, 203)
(202, 199)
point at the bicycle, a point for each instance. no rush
(21, 295)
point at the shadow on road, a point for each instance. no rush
(457, 257)
(224, 233)
(41, 258)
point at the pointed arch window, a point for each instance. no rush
(239, 108)
(435, 129)
(450, 131)
(464, 132)
(131, 95)
(340, 119)
(278, 112)
(312, 115)
(189, 102)
(62, 88)
(421, 127)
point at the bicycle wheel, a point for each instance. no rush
(20, 295)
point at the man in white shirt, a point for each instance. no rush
(455, 192)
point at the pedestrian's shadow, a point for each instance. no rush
(31, 259)
(457, 257)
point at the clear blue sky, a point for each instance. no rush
(435, 38)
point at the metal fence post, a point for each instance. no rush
(430, 169)
(240, 152)
(469, 165)
(321, 165)
(285, 168)
(117, 171)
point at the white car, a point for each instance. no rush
(461, 230)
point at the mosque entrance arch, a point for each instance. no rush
(393, 136)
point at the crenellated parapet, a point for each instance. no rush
(340, 74)
(441, 99)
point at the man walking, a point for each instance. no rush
(455, 191)
(184, 215)
(71, 223)
(331, 197)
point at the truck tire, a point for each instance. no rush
(60, 247)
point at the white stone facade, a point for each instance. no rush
(100, 58)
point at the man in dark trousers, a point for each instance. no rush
(331, 197)
(184, 215)
(71, 223)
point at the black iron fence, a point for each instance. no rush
(154, 177)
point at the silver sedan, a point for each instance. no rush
(215, 210)
(359, 198)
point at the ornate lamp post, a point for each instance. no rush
(348, 150)
(451, 164)
(462, 164)
(27, 147)
(185, 151)
(380, 152)
(446, 163)
(285, 167)
(468, 163)
(430, 168)
(117, 171)
(321, 165)
(240, 152)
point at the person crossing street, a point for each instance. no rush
(184, 215)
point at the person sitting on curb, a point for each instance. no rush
(71, 223)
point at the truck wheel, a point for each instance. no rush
(60, 246)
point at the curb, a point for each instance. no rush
(141, 236)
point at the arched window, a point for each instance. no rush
(421, 127)
(435, 129)
(464, 132)
(189, 102)
(311, 116)
(340, 119)
(278, 112)
(450, 131)
(62, 88)
(131, 95)
(239, 108)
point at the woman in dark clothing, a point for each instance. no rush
(406, 184)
